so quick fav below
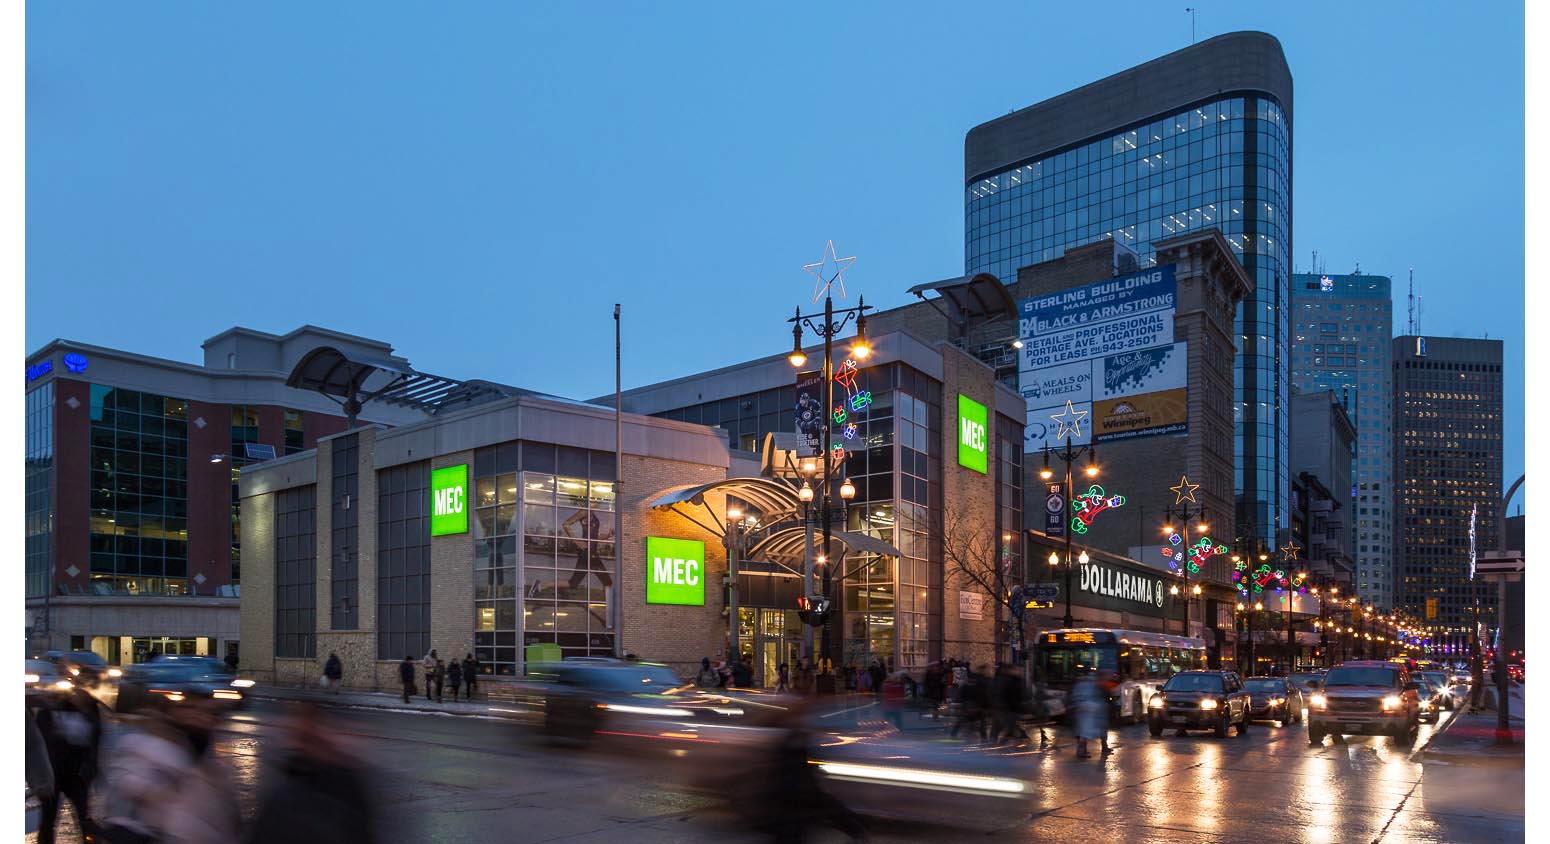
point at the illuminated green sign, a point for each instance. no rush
(449, 500)
(973, 435)
(675, 571)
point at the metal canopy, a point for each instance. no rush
(775, 501)
(342, 377)
(971, 300)
(786, 546)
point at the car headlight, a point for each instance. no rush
(243, 683)
(1156, 702)
(1208, 703)
(223, 694)
(1318, 701)
(32, 678)
(64, 685)
(1390, 703)
(115, 672)
(1277, 701)
(1426, 704)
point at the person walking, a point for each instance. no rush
(470, 674)
(782, 678)
(72, 733)
(166, 783)
(333, 673)
(429, 664)
(1092, 713)
(406, 676)
(319, 791)
(931, 696)
(893, 699)
(439, 675)
(455, 677)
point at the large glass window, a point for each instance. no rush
(344, 568)
(403, 562)
(567, 520)
(139, 492)
(295, 577)
(39, 490)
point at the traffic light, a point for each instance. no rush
(813, 609)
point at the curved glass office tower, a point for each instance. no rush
(1199, 138)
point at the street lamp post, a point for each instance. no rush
(1253, 663)
(1069, 456)
(828, 327)
(1187, 515)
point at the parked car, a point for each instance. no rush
(1274, 699)
(167, 681)
(1366, 697)
(1200, 700)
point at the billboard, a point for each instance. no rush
(1145, 415)
(675, 571)
(1087, 347)
(973, 428)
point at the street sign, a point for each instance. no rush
(1042, 591)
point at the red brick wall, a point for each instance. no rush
(72, 481)
(316, 425)
(209, 495)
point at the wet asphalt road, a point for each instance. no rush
(451, 780)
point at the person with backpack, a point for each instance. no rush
(333, 673)
(707, 677)
(72, 733)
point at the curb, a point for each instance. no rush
(335, 703)
(1425, 755)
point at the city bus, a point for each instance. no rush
(1142, 661)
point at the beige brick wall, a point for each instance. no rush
(968, 500)
(257, 608)
(324, 500)
(452, 581)
(677, 635)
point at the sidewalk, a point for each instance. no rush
(1470, 738)
(393, 702)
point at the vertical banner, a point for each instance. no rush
(1055, 511)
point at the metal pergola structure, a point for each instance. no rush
(344, 378)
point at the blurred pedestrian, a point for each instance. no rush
(707, 677)
(470, 674)
(742, 674)
(231, 661)
(1007, 703)
(333, 673)
(893, 699)
(318, 792)
(406, 676)
(429, 665)
(1092, 713)
(793, 804)
(864, 682)
(439, 675)
(782, 677)
(878, 675)
(804, 678)
(72, 732)
(165, 783)
(455, 677)
(932, 693)
(40, 774)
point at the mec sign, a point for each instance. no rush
(449, 500)
(675, 571)
(973, 435)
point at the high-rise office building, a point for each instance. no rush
(1199, 138)
(1448, 462)
(1342, 330)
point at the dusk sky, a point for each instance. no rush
(478, 184)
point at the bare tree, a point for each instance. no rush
(974, 561)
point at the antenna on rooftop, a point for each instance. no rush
(1191, 10)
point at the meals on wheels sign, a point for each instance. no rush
(449, 500)
(675, 571)
(1086, 347)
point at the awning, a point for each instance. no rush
(786, 546)
(972, 300)
(344, 377)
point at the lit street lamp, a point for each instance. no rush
(1068, 457)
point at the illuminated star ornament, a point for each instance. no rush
(826, 278)
(1185, 491)
(1290, 550)
(1069, 420)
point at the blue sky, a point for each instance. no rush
(478, 185)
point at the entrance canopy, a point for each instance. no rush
(344, 378)
(787, 546)
(774, 501)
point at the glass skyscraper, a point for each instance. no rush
(1341, 330)
(1197, 139)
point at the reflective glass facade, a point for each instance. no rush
(1224, 163)
(39, 489)
(139, 491)
(1341, 330)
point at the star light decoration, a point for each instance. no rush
(1185, 491)
(1074, 425)
(825, 279)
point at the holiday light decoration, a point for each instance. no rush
(1069, 420)
(839, 415)
(1185, 491)
(850, 431)
(1089, 504)
(816, 270)
(846, 377)
(860, 401)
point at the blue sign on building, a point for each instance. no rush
(39, 369)
(75, 362)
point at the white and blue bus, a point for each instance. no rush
(1142, 661)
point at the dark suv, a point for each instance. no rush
(1365, 698)
(1200, 700)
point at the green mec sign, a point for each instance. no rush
(675, 571)
(449, 500)
(973, 435)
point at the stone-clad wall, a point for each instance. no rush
(257, 608)
(969, 505)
